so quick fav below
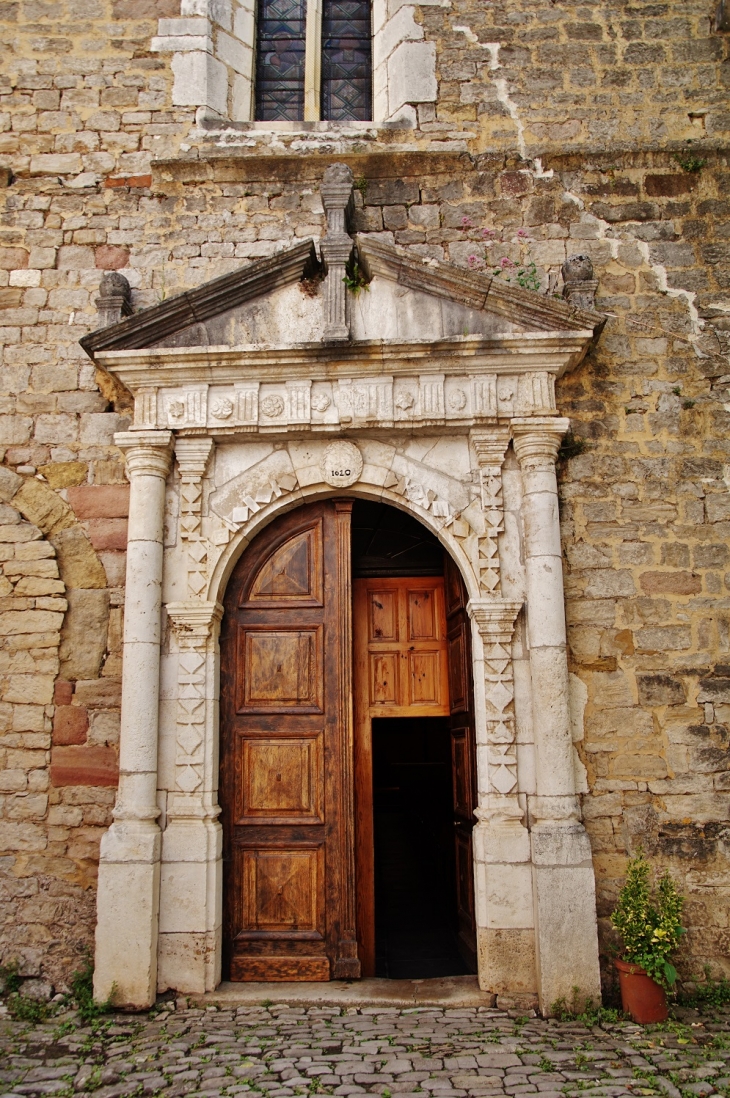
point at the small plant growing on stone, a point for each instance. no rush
(355, 279)
(27, 1010)
(688, 162)
(10, 978)
(82, 989)
(522, 271)
(648, 920)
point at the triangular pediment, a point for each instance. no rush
(279, 301)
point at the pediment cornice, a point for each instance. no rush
(319, 387)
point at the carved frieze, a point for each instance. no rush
(351, 402)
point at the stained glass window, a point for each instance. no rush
(280, 47)
(346, 64)
(345, 92)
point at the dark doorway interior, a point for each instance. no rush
(388, 542)
(415, 891)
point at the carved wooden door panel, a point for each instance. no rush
(400, 671)
(463, 754)
(286, 753)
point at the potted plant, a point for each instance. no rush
(648, 922)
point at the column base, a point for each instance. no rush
(565, 905)
(189, 962)
(190, 905)
(504, 905)
(506, 958)
(127, 904)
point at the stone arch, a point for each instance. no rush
(49, 573)
(373, 489)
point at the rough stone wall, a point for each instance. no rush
(102, 173)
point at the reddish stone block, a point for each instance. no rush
(63, 692)
(128, 181)
(671, 583)
(70, 724)
(84, 766)
(514, 183)
(107, 533)
(100, 500)
(111, 257)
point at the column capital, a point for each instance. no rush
(193, 455)
(494, 617)
(490, 446)
(194, 620)
(537, 439)
(147, 452)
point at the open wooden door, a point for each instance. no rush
(463, 754)
(286, 786)
(400, 671)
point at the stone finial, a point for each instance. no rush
(114, 300)
(579, 285)
(336, 248)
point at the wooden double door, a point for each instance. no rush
(296, 761)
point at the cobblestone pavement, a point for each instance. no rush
(278, 1051)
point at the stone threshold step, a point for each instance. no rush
(447, 991)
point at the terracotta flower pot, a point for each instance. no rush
(641, 997)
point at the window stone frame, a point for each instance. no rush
(212, 44)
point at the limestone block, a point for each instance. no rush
(64, 474)
(126, 948)
(9, 484)
(244, 24)
(25, 836)
(99, 428)
(46, 569)
(33, 585)
(181, 44)
(189, 962)
(200, 81)
(193, 25)
(217, 10)
(401, 28)
(29, 689)
(506, 964)
(43, 507)
(29, 621)
(27, 806)
(15, 430)
(412, 74)
(78, 563)
(234, 53)
(184, 886)
(55, 164)
(84, 633)
(241, 98)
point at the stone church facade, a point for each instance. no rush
(501, 308)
